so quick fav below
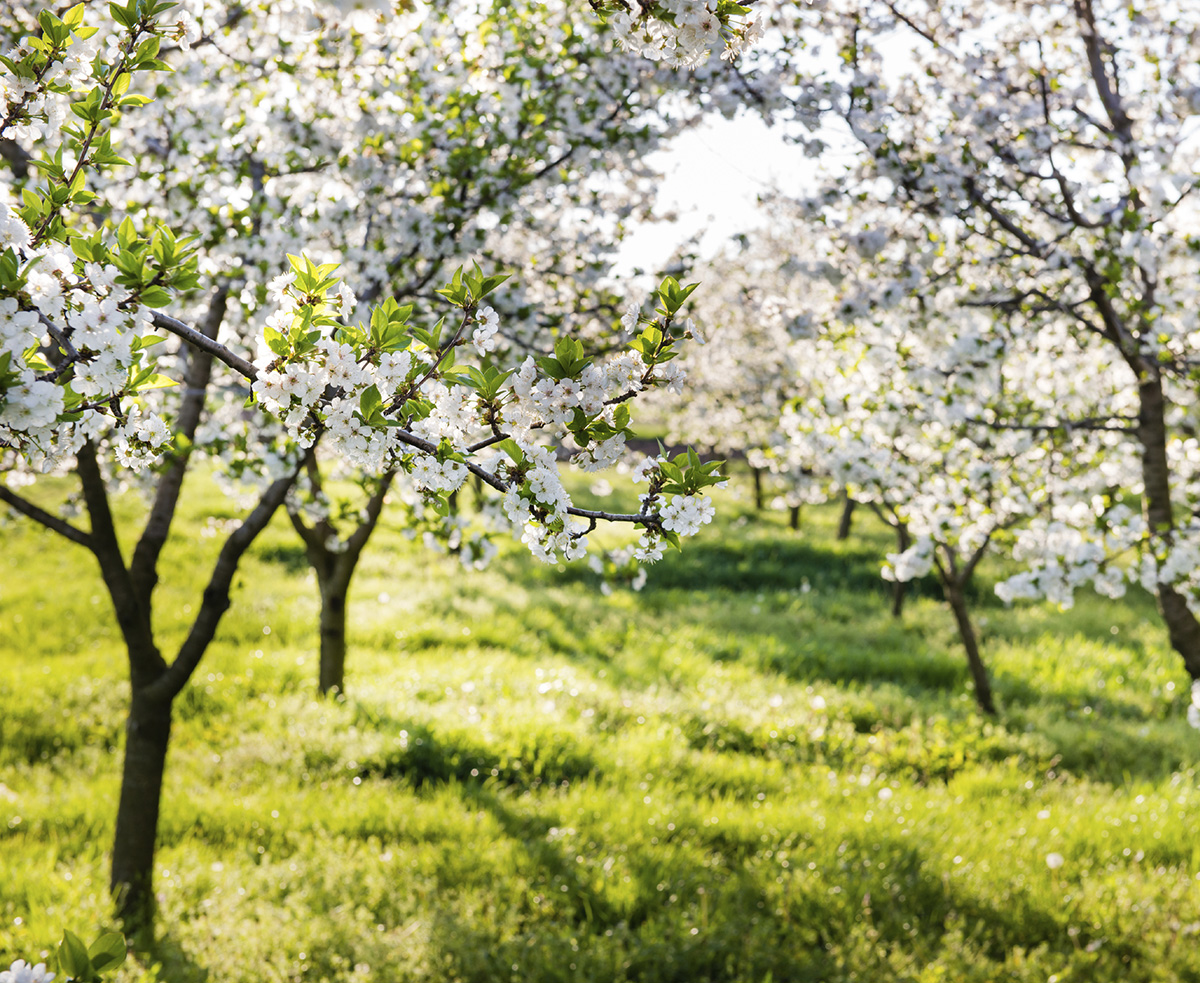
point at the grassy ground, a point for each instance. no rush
(747, 772)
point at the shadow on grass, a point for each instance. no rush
(290, 556)
(174, 962)
(424, 755)
(651, 925)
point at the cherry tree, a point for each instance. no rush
(763, 298)
(88, 387)
(1047, 154)
(901, 419)
(458, 143)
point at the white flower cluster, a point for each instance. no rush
(685, 514)
(601, 454)
(649, 549)
(484, 338)
(22, 972)
(688, 38)
(102, 324)
(1193, 711)
(434, 475)
(38, 111)
(537, 507)
(140, 439)
(914, 562)
(1061, 560)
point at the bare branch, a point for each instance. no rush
(204, 343)
(142, 567)
(216, 594)
(50, 521)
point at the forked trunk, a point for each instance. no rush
(966, 632)
(147, 733)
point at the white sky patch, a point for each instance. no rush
(713, 176)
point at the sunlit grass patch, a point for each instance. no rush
(749, 770)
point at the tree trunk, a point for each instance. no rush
(794, 517)
(966, 632)
(147, 733)
(900, 587)
(332, 676)
(1182, 626)
(758, 488)
(847, 512)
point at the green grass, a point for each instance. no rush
(749, 771)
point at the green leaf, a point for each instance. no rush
(156, 381)
(73, 956)
(107, 952)
(369, 402)
(155, 297)
(73, 17)
(512, 449)
(276, 342)
(551, 367)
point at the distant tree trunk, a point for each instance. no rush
(794, 517)
(966, 632)
(847, 513)
(334, 570)
(758, 488)
(1182, 626)
(900, 587)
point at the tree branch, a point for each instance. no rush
(143, 567)
(204, 343)
(53, 522)
(216, 594)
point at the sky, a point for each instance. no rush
(713, 177)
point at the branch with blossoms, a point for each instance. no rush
(681, 35)
(377, 392)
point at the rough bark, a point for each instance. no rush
(147, 734)
(966, 632)
(847, 514)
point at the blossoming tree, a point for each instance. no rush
(88, 387)
(1048, 152)
(461, 136)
